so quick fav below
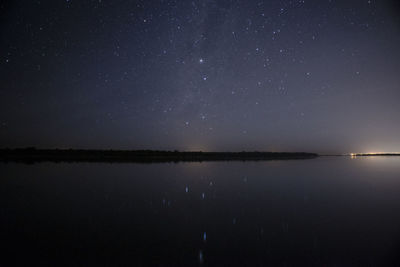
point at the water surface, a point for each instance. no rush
(330, 211)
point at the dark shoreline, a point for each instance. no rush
(32, 155)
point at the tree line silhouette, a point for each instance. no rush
(32, 155)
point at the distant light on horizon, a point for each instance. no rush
(372, 153)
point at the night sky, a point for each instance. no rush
(212, 75)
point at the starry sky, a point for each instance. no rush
(212, 75)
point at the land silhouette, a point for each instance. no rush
(33, 155)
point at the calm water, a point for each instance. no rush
(332, 211)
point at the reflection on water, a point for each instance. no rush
(333, 211)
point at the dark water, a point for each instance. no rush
(332, 211)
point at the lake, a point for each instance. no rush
(329, 211)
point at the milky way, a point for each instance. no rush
(210, 75)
